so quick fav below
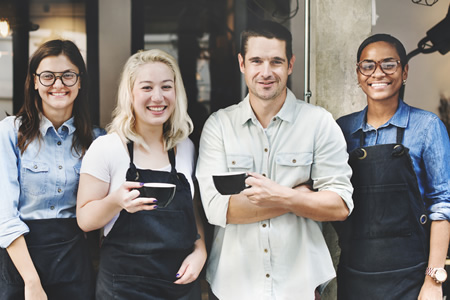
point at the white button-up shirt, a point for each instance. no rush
(285, 257)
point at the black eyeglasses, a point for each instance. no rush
(368, 67)
(48, 78)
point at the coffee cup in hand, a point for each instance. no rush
(230, 183)
(163, 192)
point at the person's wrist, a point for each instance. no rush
(32, 280)
(438, 275)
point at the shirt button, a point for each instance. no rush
(264, 174)
(52, 207)
(59, 143)
(264, 225)
(60, 167)
(233, 162)
(294, 160)
(267, 275)
(266, 150)
(59, 190)
(274, 119)
(35, 166)
(265, 250)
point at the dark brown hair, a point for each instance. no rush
(270, 30)
(31, 111)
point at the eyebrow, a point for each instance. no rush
(68, 70)
(149, 81)
(382, 59)
(270, 58)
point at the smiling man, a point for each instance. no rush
(268, 242)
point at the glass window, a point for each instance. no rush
(58, 19)
(6, 75)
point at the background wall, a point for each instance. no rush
(429, 74)
(114, 48)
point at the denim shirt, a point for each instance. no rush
(429, 147)
(42, 182)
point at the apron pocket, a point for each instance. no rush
(164, 230)
(140, 287)
(68, 261)
(383, 211)
(402, 284)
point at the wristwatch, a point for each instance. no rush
(438, 274)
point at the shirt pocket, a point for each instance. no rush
(239, 162)
(34, 178)
(293, 168)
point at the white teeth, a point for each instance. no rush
(159, 108)
(58, 94)
(379, 84)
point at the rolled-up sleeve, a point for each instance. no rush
(11, 226)
(436, 160)
(330, 169)
(211, 159)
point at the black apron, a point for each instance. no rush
(141, 255)
(385, 241)
(60, 254)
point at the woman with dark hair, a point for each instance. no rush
(394, 244)
(43, 253)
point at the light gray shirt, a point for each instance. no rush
(285, 257)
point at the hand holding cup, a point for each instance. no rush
(163, 192)
(230, 183)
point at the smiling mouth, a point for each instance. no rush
(381, 84)
(157, 109)
(59, 94)
(266, 83)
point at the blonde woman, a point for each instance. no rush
(149, 252)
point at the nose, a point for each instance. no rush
(266, 69)
(378, 71)
(157, 94)
(58, 82)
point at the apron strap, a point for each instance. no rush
(361, 139)
(171, 154)
(400, 133)
(130, 147)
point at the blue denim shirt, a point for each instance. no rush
(428, 143)
(42, 182)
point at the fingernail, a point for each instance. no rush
(155, 206)
(141, 183)
(178, 275)
(154, 201)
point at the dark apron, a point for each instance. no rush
(385, 241)
(61, 257)
(143, 252)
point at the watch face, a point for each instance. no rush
(441, 275)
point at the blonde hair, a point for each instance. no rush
(177, 127)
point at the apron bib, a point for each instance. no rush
(61, 257)
(384, 242)
(142, 253)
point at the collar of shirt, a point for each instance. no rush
(286, 113)
(399, 119)
(46, 124)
